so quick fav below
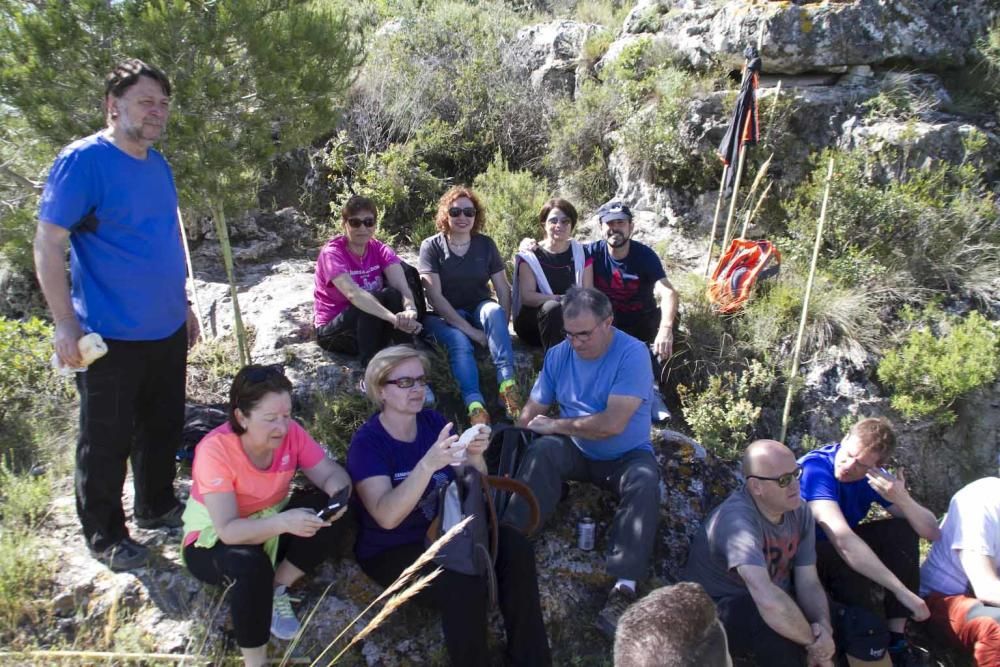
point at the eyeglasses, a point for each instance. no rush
(560, 221)
(257, 374)
(468, 211)
(407, 382)
(357, 222)
(580, 336)
(782, 480)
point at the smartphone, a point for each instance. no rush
(337, 503)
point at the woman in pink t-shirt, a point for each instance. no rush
(240, 528)
(356, 312)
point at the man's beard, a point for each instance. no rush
(617, 240)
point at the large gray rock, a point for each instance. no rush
(813, 36)
(549, 55)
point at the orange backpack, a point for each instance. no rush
(740, 267)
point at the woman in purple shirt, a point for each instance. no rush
(397, 460)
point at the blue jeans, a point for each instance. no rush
(489, 317)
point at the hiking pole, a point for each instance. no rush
(190, 268)
(715, 219)
(805, 307)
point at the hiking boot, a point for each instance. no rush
(619, 599)
(511, 399)
(284, 624)
(479, 416)
(126, 554)
(658, 412)
(172, 518)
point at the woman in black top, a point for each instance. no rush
(544, 274)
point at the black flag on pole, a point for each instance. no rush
(743, 127)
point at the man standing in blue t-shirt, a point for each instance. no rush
(631, 274)
(600, 378)
(111, 197)
(862, 562)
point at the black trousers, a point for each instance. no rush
(131, 407)
(249, 570)
(751, 639)
(643, 326)
(541, 326)
(896, 545)
(463, 601)
(356, 332)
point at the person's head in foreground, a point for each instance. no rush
(674, 626)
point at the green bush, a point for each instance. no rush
(843, 316)
(929, 372)
(939, 225)
(724, 414)
(512, 200)
(31, 394)
(335, 419)
(579, 145)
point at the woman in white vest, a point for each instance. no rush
(544, 274)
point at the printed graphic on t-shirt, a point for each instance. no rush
(622, 290)
(779, 552)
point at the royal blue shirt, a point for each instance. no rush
(819, 483)
(127, 263)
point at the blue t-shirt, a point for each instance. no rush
(127, 267)
(819, 483)
(628, 282)
(374, 453)
(582, 386)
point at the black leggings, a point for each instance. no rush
(251, 573)
(354, 331)
(463, 601)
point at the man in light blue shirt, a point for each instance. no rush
(601, 379)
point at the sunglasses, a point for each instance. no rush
(407, 382)
(357, 222)
(468, 211)
(782, 480)
(560, 221)
(257, 374)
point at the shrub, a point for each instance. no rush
(724, 414)
(335, 419)
(512, 200)
(940, 224)
(841, 316)
(211, 366)
(31, 394)
(579, 145)
(929, 372)
(703, 343)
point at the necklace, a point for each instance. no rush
(459, 245)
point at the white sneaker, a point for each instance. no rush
(284, 624)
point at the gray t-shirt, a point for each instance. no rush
(736, 533)
(464, 280)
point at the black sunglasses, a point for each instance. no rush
(782, 480)
(258, 374)
(357, 222)
(407, 382)
(468, 211)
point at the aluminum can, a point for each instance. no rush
(585, 534)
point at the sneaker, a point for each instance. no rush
(619, 599)
(284, 624)
(511, 398)
(172, 518)
(658, 409)
(127, 554)
(479, 416)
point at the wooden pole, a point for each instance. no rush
(227, 259)
(715, 219)
(732, 197)
(190, 268)
(805, 307)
